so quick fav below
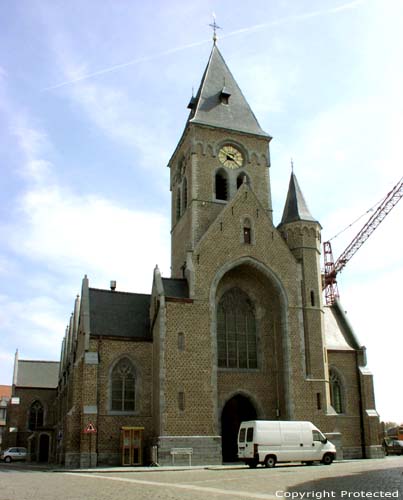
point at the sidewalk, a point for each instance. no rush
(26, 466)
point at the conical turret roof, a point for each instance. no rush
(219, 101)
(295, 207)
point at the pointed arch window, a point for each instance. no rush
(35, 416)
(247, 231)
(123, 383)
(221, 185)
(236, 331)
(336, 392)
(240, 179)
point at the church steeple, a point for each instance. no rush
(222, 144)
(219, 101)
(295, 208)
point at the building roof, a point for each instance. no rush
(119, 314)
(39, 374)
(339, 334)
(208, 108)
(295, 207)
(177, 288)
(5, 391)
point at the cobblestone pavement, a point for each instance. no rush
(342, 480)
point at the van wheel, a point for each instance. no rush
(270, 461)
(7, 459)
(327, 459)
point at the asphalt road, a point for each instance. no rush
(342, 480)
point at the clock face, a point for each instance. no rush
(230, 156)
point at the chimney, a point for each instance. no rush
(113, 285)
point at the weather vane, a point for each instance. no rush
(215, 27)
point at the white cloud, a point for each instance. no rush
(91, 234)
(55, 238)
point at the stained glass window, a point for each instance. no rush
(236, 331)
(123, 386)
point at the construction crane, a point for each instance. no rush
(333, 268)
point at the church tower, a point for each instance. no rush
(221, 147)
(239, 327)
(302, 234)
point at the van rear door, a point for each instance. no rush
(245, 441)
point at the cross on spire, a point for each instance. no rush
(215, 27)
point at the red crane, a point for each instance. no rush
(333, 268)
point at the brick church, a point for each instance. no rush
(238, 332)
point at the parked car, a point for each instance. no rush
(12, 454)
(393, 447)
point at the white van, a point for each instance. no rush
(270, 441)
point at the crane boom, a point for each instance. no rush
(331, 267)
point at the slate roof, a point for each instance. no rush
(295, 207)
(339, 334)
(119, 314)
(209, 110)
(40, 374)
(177, 288)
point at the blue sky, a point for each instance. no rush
(93, 100)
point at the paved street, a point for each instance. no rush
(354, 479)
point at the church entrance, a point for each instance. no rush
(43, 448)
(236, 410)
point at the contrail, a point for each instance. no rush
(124, 65)
(298, 17)
(257, 27)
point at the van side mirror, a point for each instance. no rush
(324, 440)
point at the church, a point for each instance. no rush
(238, 332)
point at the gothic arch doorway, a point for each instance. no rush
(44, 442)
(236, 410)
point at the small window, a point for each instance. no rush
(221, 188)
(247, 232)
(225, 94)
(247, 235)
(181, 341)
(185, 194)
(240, 179)
(319, 400)
(242, 434)
(336, 392)
(249, 435)
(178, 204)
(312, 298)
(181, 401)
